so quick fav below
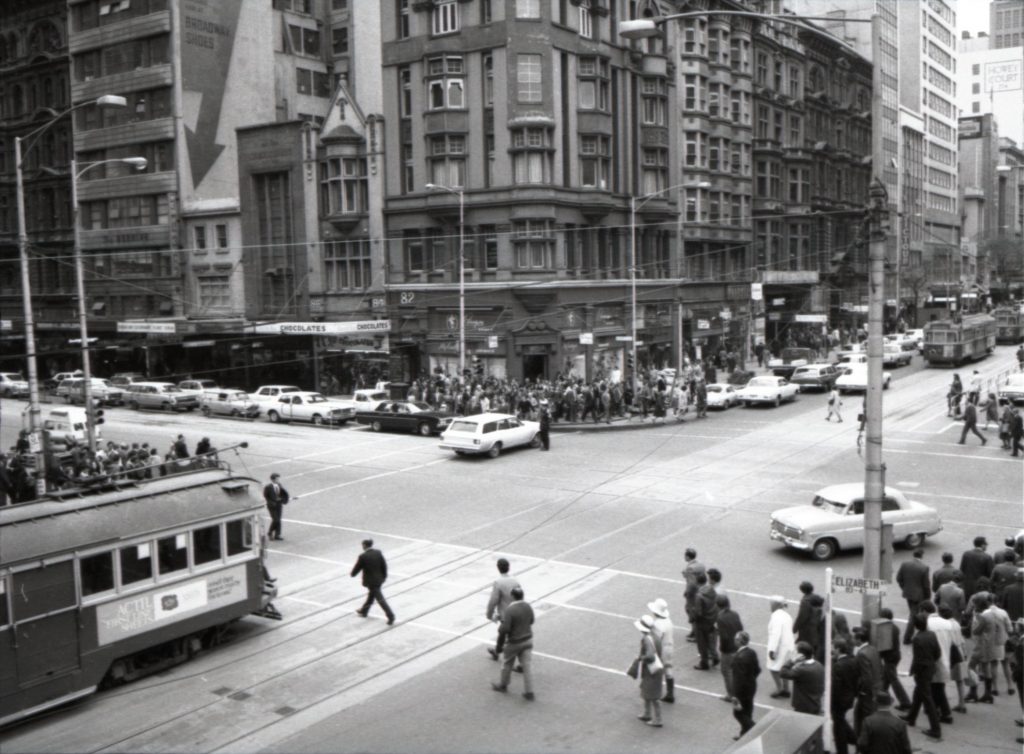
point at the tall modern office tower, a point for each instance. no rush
(991, 80)
(1006, 23)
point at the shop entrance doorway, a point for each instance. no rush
(535, 367)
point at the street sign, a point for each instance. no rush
(857, 585)
(757, 291)
(492, 341)
(586, 338)
(626, 338)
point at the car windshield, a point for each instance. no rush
(417, 406)
(13, 376)
(714, 388)
(169, 389)
(316, 398)
(832, 506)
(239, 396)
(463, 426)
(762, 382)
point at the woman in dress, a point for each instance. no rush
(652, 672)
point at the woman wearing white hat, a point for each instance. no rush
(652, 672)
(663, 636)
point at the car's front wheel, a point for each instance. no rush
(274, 416)
(495, 450)
(376, 426)
(535, 441)
(778, 401)
(824, 549)
(206, 411)
(914, 540)
(424, 429)
(318, 420)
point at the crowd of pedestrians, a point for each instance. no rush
(975, 402)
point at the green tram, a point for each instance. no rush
(954, 342)
(98, 588)
(1010, 324)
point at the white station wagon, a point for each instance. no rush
(489, 433)
(834, 521)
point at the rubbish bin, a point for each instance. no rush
(398, 390)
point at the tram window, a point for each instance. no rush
(136, 563)
(97, 573)
(239, 535)
(206, 544)
(172, 553)
(44, 589)
(5, 615)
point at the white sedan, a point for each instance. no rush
(489, 433)
(834, 521)
(854, 379)
(767, 389)
(722, 395)
(1013, 389)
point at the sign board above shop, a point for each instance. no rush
(321, 328)
(586, 338)
(164, 328)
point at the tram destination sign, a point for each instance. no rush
(858, 585)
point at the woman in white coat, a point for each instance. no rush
(781, 644)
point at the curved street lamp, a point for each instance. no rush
(34, 423)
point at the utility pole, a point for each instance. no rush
(874, 469)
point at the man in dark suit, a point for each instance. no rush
(808, 677)
(869, 676)
(374, 568)
(845, 682)
(971, 423)
(1004, 573)
(927, 655)
(728, 624)
(974, 564)
(805, 625)
(945, 573)
(501, 598)
(883, 732)
(275, 496)
(913, 580)
(745, 670)
(891, 658)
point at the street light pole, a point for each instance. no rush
(462, 270)
(34, 413)
(139, 163)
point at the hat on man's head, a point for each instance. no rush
(274, 476)
(659, 607)
(645, 624)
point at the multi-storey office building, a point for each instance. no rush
(978, 153)
(991, 80)
(1005, 256)
(34, 68)
(1006, 21)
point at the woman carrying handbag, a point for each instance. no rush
(651, 671)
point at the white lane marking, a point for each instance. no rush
(567, 660)
(304, 602)
(345, 528)
(955, 455)
(975, 524)
(305, 557)
(911, 485)
(947, 427)
(372, 477)
(972, 498)
(926, 421)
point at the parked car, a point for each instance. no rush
(815, 377)
(918, 336)
(847, 359)
(164, 396)
(64, 386)
(854, 379)
(305, 406)
(363, 399)
(849, 349)
(767, 389)
(103, 393)
(270, 393)
(489, 433)
(834, 521)
(13, 385)
(790, 359)
(722, 395)
(125, 379)
(1013, 389)
(906, 341)
(228, 402)
(894, 355)
(199, 386)
(51, 384)
(404, 416)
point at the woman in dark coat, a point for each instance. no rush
(651, 682)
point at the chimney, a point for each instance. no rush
(965, 35)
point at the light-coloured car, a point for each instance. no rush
(1013, 389)
(489, 433)
(124, 379)
(199, 386)
(103, 393)
(13, 385)
(305, 406)
(164, 396)
(767, 389)
(815, 376)
(834, 521)
(270, 393)
(906, 341)
(854, 379)
(790, 359)
(51, 384)
(228, 402)
(364, 399)
(895, 355)
(722, 395)
(64, 387)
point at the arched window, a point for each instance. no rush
(17, 100)
(44, 38)
(12, 46)
(3, 49)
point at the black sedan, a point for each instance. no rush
(404, 416)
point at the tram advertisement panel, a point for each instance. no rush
(143, 612)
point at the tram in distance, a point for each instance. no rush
(1010, 324)
(953, 342)
(99, 589)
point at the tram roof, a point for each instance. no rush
(46, 528)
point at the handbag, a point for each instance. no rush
(955, 655)
(634, 669)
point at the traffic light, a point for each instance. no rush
(629, 362)
(97, 416)
(478, 366)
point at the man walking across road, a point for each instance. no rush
(974, 564)
(883, 732)
(374, 568)
(808, 677)
(891, 658)
(501, 598)
(834, 403)
(845, 682)
(275, 496)
(705, 612)
(945, 573)
(745, 670)
(517, 633)
(780, 644)
(692, 569)
(728, 624)
(971, 424)
(869, 679)
(545, 426)
(913, 578)
(927, 654)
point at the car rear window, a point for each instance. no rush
(463, 426)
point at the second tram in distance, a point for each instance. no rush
(954, 342)
(1010, 324)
